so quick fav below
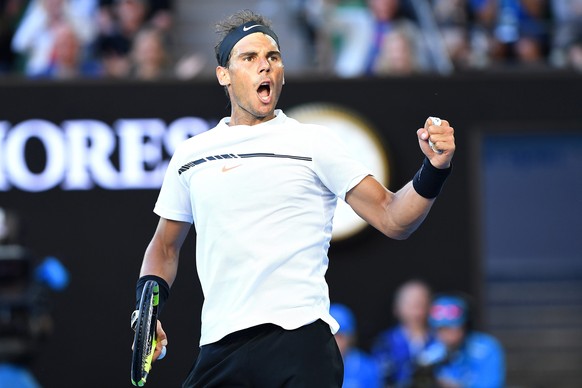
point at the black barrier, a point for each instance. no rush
(100, 232)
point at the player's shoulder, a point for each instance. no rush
(187, 145)
(291, 122)
(298, 126)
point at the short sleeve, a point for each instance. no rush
(336, 168)
(174, 199)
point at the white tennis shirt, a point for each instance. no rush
(262, 199)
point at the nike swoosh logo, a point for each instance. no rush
(246, 28)
(225, 169)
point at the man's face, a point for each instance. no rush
(66, 46)
(131, 14)
(451, 337)
(413, 306)
(254, 78)
(384, 10)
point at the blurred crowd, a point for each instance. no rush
(433, 345)
(401, 37)
(61, 39)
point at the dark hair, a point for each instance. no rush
(224, 27)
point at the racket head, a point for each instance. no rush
(144, 341)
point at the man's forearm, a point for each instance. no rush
(160, 262)
(405, 212)
(162, 254)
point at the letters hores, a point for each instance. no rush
(82, 154)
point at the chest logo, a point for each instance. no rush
(226, 168)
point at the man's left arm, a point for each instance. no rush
(399, 214)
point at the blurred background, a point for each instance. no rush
(95, 96)
(161, 39)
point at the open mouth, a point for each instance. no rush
(264, 91)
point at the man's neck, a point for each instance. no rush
(236, 118)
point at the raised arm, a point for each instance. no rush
(399, 214)
(162, 254)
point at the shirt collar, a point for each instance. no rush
(278, 119)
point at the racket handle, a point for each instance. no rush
(435, 121)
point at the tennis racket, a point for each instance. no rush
(144, 322)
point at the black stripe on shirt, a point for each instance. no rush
(194, 163)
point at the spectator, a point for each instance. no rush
(453, 21)
(127, 17)
(531, 50)
(397, 54)
(131, 16)
(360, 370)
(158, 13)
(35, 35)
(150, 60)
(462, 357)
(457, 42)
(113, 54)
(509, 32)
(484, 12)
(450, 12)
(314, 25)
(520, 31)
(119, 23)
(351, 27)
(66, 61)
(397, 349)
(388, 16)
(567, 30)
(482, 15)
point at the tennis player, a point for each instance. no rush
(261, 190)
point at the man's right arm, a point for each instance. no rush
(161, 259)
(162, 254)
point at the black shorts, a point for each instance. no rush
(269, 356)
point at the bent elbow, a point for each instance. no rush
(399, 235)
(400, 232)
